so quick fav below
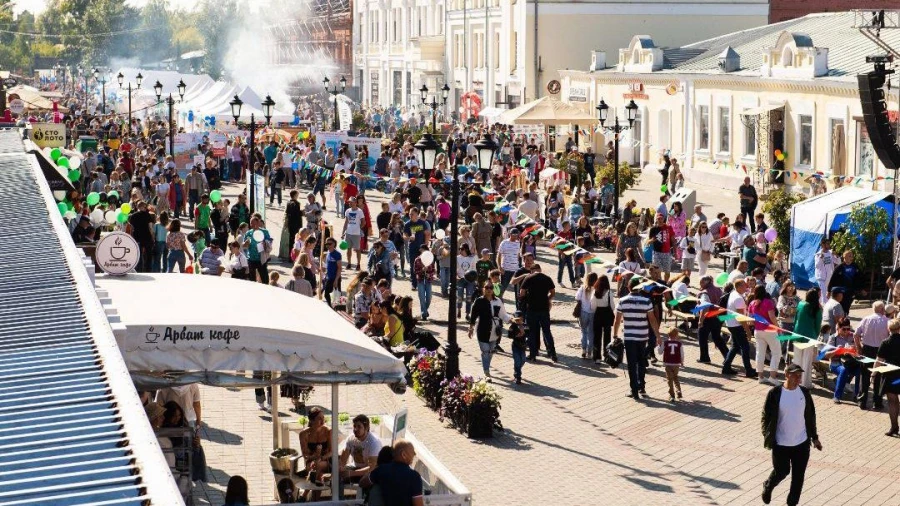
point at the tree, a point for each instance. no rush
(627, 177)
(867, 233)
(156, 37)
(778, 208)
(215, 16)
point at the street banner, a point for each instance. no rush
(345, 115)
(259, 196)
(331, 140)
(217, 141)
(373, 144)
(48, 135)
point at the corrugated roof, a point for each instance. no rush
(63, 437)
(847, 47)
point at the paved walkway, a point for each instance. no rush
(572, 437)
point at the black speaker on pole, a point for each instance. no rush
(875, 114)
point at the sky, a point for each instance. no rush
(37, 6)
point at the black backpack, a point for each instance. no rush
(615, 352)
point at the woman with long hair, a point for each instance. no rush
(762, 307)
(177, 243)
(586, 316)
(629, 239)
(705, 246)
(678, 221)
(236, 493)
(808, 320)
(604, 316)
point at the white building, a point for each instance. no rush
(508, 51)
(398, 45)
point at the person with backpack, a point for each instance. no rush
(276, 181)
(740, 330)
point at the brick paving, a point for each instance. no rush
(572, 437)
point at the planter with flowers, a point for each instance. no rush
(428, 369)
(471, 406)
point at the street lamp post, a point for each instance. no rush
(267, 106)
(138, 79)
(171, 102)
(616, 129)
(334, 92)
(97, 77)
(434, 105)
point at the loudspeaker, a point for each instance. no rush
(875, 114)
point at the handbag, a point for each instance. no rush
(705, 256)
(576, 312)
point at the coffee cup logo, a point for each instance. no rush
(152, 336)
(118, 251)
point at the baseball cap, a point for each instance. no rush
(792, 368)
(837, 289)
(485, 251)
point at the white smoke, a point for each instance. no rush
(251, 49)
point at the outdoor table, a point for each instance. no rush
(804, 353)
(727, 255)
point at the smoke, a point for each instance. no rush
(252, 52)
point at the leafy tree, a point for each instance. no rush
(867, 233)
(627, 177)
(156, 39)
(214, 28)
(778, 208)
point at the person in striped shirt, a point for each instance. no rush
(635, 314)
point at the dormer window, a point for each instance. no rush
(641, 55)
(787, 57)
(636, 56)
(794, 56)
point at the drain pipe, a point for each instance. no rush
(537, 61)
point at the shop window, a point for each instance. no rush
(750, 139)
(724, 130)
(805, 131)
(703, 127)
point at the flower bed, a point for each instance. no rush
(471, 406)
(427, 370)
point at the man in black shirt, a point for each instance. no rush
(414, 193)
(496, 232)
(140, 230)
(749, 199)
(538, 290)
(294, 216)
(383, 220)
(589, 158)
(399, 483)
(519, 276)
(889, 353)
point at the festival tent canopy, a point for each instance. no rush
(33, 98)
(264, 329)
(821, 216)
(167, 78)
(546, 111)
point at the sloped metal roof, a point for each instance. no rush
(65, 436)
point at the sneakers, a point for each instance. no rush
(729, 372)
(752, 375)
(518, 381)
(766, 495)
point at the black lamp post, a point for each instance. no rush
(267, 106)
(171, 102)
(334, 92)
(486, 148)
(434, 105)
(138, 79)
(98, 74)
(616, 129)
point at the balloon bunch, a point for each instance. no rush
(191, 115)
(209, 120)
(780, 155)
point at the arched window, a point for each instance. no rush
(787, 57)
(636, 55)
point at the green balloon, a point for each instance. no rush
(62, 162)
(74, 175)
(112, 194)
(69, 205)
(62, 207)
(121, 217)
(344, 245)
(664, 188)
(215, 196)
(722, 279)
(93, 198)
(523, 162)
(55, 153)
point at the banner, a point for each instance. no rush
(217, 142)
(48, 135)
(331, 140)
(372, 144)
(259, 199)
(345, 115)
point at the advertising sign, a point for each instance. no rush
(217, 141)
(17, 106)
(117, 253)
(48, 135)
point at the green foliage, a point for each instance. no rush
(359, 121)
(216, 15)
(376, 420)
(778, 208)
(867, 234)
(343, 417)
(627, 177)
(157, 40)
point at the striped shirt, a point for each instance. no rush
(634, 309)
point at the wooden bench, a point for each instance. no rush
(683, 317)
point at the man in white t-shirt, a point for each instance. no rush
(529, 208)
(740, 331)
(363, 447)
(508, 259)
(353, 230)
(186, 396)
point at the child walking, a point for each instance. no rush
(517, 336)
(673, 359)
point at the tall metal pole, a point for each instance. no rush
(104, 95)
(171, 126)
(616, 171)
(252, 169)
(335, 124)
(129, 109)
(452, 349)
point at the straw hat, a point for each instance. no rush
(154, 411)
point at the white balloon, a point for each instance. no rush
(259, 236)
(110, 216)
(97, 216)
(427, 258)
(74, 163)
(69, 214)
(440, 234)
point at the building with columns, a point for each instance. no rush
(508, 51)
(398, 45)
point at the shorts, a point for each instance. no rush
(687, 264)
(663, 261)
(353, 241)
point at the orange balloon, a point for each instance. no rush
(777, 152)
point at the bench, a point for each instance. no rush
(682, 317)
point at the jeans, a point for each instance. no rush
(146, 261)
(464, 291)
(767, 339)
(424, 290)
(867, 376)
(339, 206)
(789, 460)
(844, 375)
(565, 261)
(539, 321)
(518, 356)
(445, 280)
(587, 331)
(487, 349)
(739, 344)
(193, 200)
(176, 257)
(262, 269)
(413, 255)
(275, 190)
(160, 257)
(505, 279)
(714, 333)
(637, 366)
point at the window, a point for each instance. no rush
(749, 137)
(865, 152)
(440, 17)
(724, 130)
(514, 52)
(703, 127)
(496, 51)
(806, 138)
(836, 130)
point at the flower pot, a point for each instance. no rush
(479, 427)
(284, 461)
